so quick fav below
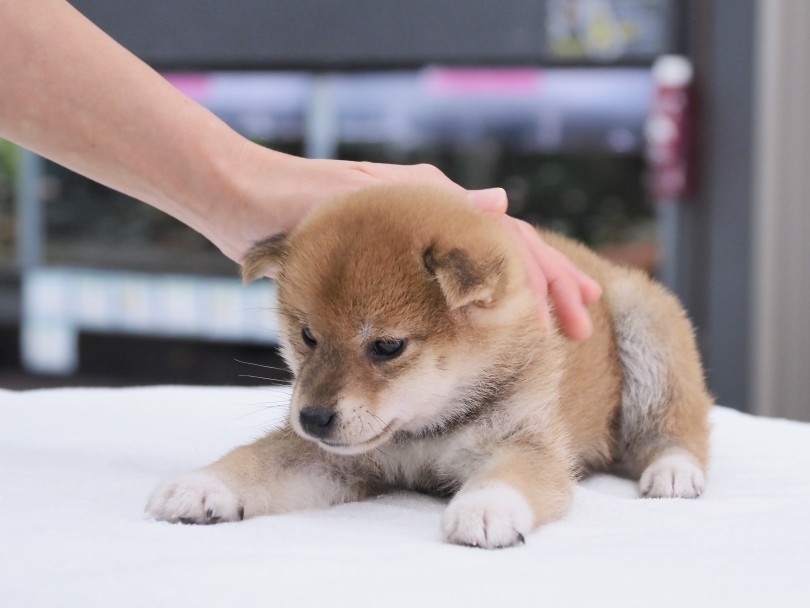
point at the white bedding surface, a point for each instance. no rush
(77, 465)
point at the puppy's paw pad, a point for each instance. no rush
(196, 498)
(674, 475)
(492, 517)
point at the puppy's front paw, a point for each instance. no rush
(676, 474)
(492, 517)
(196, 498)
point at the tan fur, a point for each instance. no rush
(482, 404)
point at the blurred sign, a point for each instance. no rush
(607, 30)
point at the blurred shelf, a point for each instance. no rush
(61, 303)
(125, 360)
(389, 34)
(147, 258)
(10, 308)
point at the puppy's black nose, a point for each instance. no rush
(317, 420)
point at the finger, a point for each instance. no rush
(492, 201)
(537, 280)
(568, 308)
(590, 291)
(423, 172)
(563, 288)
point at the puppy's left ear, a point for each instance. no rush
(463, 278)
(264, 258)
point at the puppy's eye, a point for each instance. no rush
(308, 338)
(387, 349)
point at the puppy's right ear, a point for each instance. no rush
(463, 278)
(264, 258)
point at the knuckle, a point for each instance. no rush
(429, 170)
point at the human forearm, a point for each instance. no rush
(73, 95)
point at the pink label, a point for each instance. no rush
(511, 81)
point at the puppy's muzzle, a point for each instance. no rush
(318, 421)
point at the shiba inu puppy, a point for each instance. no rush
(420, 362)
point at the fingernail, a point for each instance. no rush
(489, 200)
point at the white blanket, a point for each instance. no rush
(76, 468)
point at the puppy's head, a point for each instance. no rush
(393, 304)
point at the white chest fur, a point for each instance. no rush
(433, 464)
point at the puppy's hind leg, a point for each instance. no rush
(663, 430)
(673, 473)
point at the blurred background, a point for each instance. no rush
(667, 135)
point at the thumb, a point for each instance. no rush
(492, 200)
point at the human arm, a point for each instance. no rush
(74, 95)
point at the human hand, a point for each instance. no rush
(296, 185)
(553, 276)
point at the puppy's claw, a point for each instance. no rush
(493, 517)
(196, 498)
(673, 475)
